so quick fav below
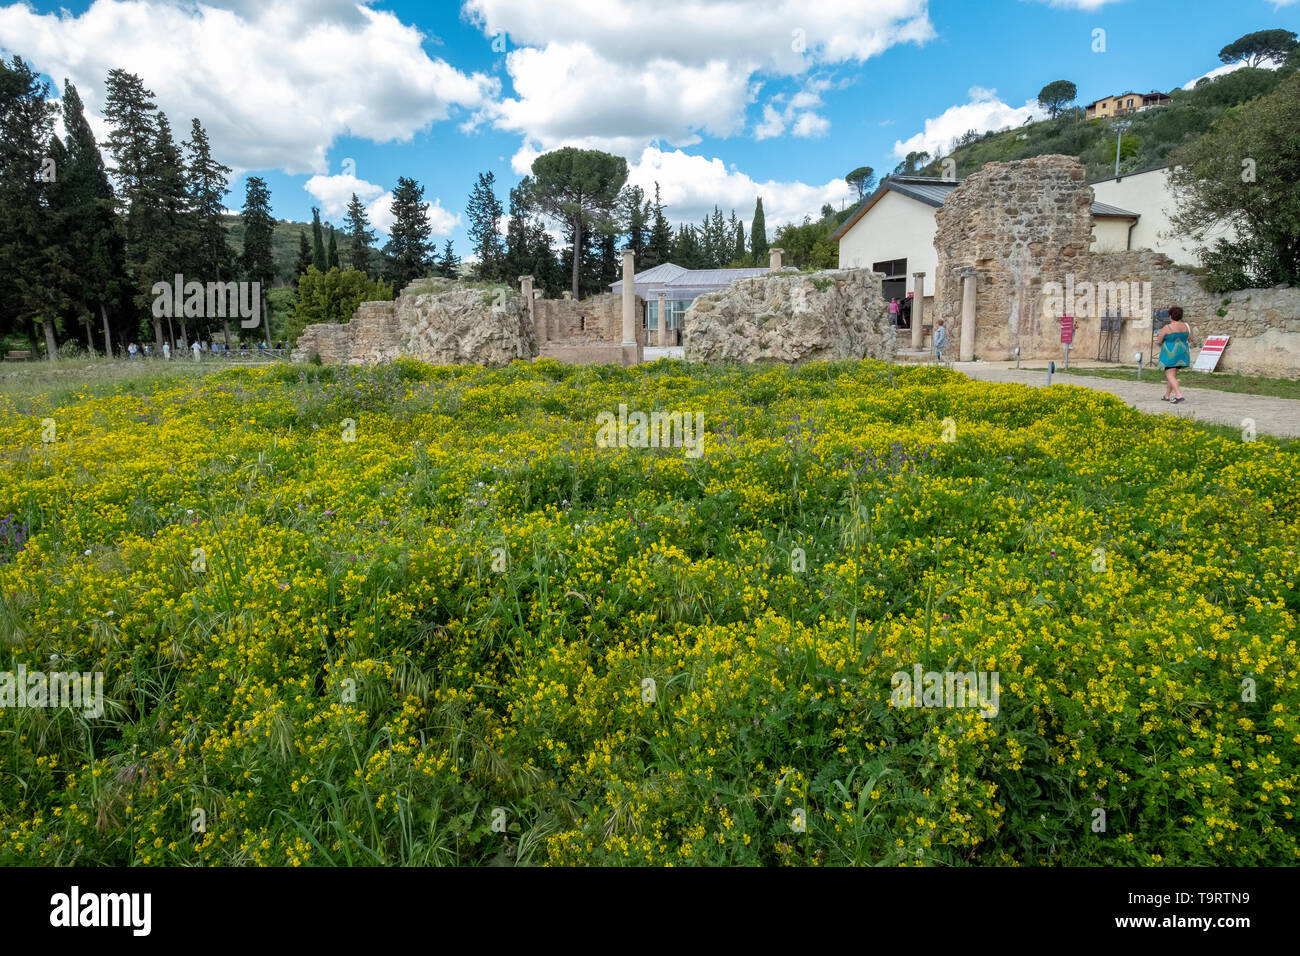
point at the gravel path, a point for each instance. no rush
(1272, 416)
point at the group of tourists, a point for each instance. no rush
(199, 348)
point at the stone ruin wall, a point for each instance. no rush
(444, 325)
(792, 317)
(584, 322)
(1019, 225)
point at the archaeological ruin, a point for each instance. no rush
(1013, 249)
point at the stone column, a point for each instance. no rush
(968, 280)
(631, 353)
(774, 258)
(663, 319)
(526, 289)
(918, 310)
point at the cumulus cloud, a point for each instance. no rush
(274, 84)
(583, 76)
(441, 221)
(335, 192)
(984, 112)
(690, 186)
(796, 113)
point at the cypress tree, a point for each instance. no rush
(304, 257)
(332, 257)
(258, 261)
(409, 245)
(449, 264)
(360, 234)
(484, 211)
(758, 235)
(318, 256)
(660, 246)
(207, 191)
(91, 235)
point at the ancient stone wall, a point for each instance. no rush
(594, 321)
(437, 322)
(1023, 231)
(792, 317)
(1017, 226)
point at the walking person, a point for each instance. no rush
(195, 349)
(894, 311)
(940, 340)
(1175, 353)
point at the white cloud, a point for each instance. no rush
(615, 75)
(1219, 71)
(274, 84)
(796, 114)
(1085, 5)
(984, 112)
(441, 221)
(335, 192)
(690, 186)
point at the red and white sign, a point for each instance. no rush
(1211, 352)
(1067, 330)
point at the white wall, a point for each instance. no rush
(1110, 235)
(1148, 195)
(896, 227)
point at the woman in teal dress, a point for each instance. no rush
(1175, 353)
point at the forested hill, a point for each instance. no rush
(1152, 136)
(284, 241)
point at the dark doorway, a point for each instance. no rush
(895, 273)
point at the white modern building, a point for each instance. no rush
(1148, 194)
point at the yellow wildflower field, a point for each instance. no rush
(416, 615)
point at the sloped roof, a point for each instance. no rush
(935, 192)
(679, 283)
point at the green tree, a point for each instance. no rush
(319, 258)
(912, 163)
(130, 111)
(166, 242)
(449, 262)
(578, 188)
(332, 256)
(863, 179)
(738, 250)
(34, 270)
(304, 258)
(360, 235)
(257, 261)
(485, 212)
(332, 297)
(636, 218)
(409, 246)
(1254, 49)
(92, 238)
(1056, 96)
(659, 248)
(758, 235)
(207, 193)
(1243, 173)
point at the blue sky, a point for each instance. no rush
(718, 100)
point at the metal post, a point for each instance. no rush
(1017, 358)
(1139, 361)
(1051, 368)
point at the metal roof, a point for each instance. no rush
(935, 192)
(679, 283)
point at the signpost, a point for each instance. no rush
(1067, 336)
(1211, 352)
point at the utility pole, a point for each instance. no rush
(1121, 126)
